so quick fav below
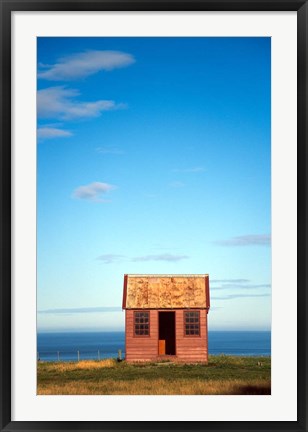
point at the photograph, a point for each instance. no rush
(154, 216)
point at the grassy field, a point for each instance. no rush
(223, 375)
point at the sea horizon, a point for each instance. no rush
(123, 331)
(80, 331)
(94, 345)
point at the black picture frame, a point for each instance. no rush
(7, 7)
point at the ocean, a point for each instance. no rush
(96, 345)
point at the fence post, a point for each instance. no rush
(58, 356)
(78, 357)
(98, 355)
(120, 354)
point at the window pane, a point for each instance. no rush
(192, 323)
(141, 323)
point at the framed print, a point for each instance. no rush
(153, 215)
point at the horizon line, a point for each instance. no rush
(123, 331)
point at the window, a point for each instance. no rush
(142, 323)
(192, 323)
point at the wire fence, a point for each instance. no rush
(78, 355)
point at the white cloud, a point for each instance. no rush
(49, 132)
(230, 280)
(240, 286)
(95, 309)
(161, 257)
(111, 258)
(83, 64)
(247, 240)
(235, 296)
(93, 191)
(59, 103)
(114, 258)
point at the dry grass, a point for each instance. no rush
(223, 375)
(82, 365)
(158, 387)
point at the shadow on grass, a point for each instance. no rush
(253, 390)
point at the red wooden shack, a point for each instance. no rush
(166, 317)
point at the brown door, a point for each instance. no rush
(161, 347)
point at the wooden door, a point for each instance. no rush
(161, 347)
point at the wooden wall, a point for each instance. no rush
(141, 347)
(188, 348)
(191, 348)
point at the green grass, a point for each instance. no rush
(222, 375)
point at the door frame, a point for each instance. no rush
(174, 312)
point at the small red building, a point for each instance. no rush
(166, 317)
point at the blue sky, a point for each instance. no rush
(153, 156)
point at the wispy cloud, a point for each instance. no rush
(229, 280)
(235, 296)
(111, 258)
(60, 103)
(49, 132)
(189, 170)
(240, 286)
(236, 284)
(246, 240)
(160, 257)
(161, 247)
(93, 191)
(80, 310)
(109, 150)
(114, 258)
(83, 64)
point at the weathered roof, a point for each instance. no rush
(166, 291)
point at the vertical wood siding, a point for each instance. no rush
(141, 347)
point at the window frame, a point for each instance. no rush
(184, 323)
(134, 323)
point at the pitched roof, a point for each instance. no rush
(166, 291)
